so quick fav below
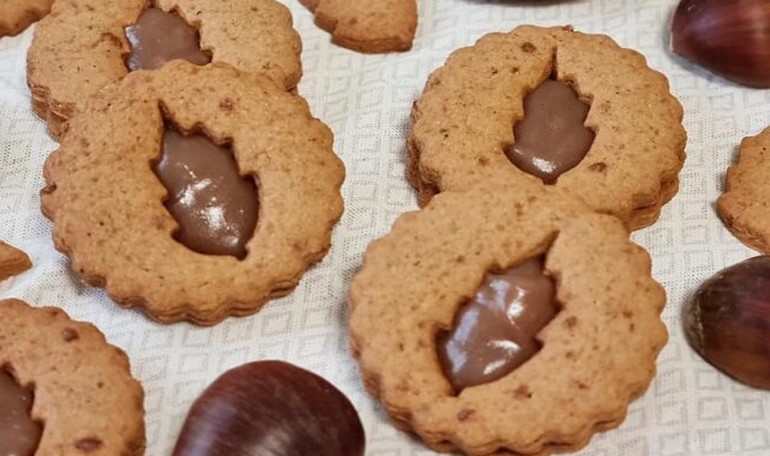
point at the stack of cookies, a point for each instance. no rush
(187, 159)
(191, 182)
(513, 314)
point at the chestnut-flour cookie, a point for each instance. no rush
(12, 261)
(194, 192)
(86, 44)
(555, 106)
(506, 320)
(372, 26)
(744, 204)
(64, 389)
(17, 15)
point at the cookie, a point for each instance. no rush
(744, 204)
(17, 15)
(438, 321)
(216, 235)
(85, 400)
(12, 261)
(373, 26)
(86, 44)
(463, 126)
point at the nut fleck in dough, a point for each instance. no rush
(464, 120)
(85, 395)
(373, 26)
(107, 208)
(80, 48)
(745, 204)
(598, 352)
(17, 15)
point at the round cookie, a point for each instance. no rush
(84, 394)
(598, 353)
(82, 46)
(462, 126)
(107, 205)
(744, 204)
(17, 15)
(372, 26)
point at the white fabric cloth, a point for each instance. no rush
(690, 409)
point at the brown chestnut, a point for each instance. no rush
(729, 38)
(271, 408)
(728, 321)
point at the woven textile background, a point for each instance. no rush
(690, 409)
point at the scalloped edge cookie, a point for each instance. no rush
(598, 352)
(464, 120)
(106, 203)
(85, 396)
(80, 47)
(745, 204)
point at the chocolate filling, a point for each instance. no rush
(216, 208)
(159, 37)
(551, 138)
(495, 332)
(19, 433)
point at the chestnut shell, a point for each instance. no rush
(728, 321)
(271, 408)
(727, 37)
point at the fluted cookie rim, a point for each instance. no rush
(414, 279)
(54, 99)
(73, 357)
(453, 143)
(299, 179)
(741, 209)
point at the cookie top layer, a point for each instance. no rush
(464, 121)
(744, 204)
(85, 395)
(598, 352)
(81, 46)
(107, 208)
(17, 15)
(374, 26)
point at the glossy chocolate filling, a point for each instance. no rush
(159, 37)
(215, 206)
(495, 332)
(19, 433)
(551, 138)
